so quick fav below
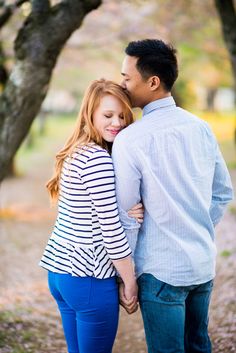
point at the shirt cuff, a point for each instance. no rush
(127, 221)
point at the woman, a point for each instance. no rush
(88, 244)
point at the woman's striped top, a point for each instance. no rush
(87, 234)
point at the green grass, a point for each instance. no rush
(232, 210)
(13, 332)
(228, 149)
(57, 130)
(222, 123)
(225, 253)
(20, 335)
(59, 127)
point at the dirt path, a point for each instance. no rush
(29, 322)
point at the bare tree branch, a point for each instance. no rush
(3, 70)
(74, 11)
(5, 15)
(20, 2)
(40, 7)
(36, 53)
(9, 10)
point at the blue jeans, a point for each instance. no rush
(89, 310)
(175, 318)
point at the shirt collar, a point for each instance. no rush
(158, 104)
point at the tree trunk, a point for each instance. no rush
(3, 70)
(210, 99)
(37, 48)
(227, 14)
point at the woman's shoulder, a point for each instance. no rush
(91, 151)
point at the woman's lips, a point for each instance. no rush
(113, 132)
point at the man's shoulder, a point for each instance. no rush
(130, 133)
(195, 119)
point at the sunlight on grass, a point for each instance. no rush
(6, 213)
(59, 127)
(57, 130)
(223, 124)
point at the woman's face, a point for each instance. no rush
(108, 118)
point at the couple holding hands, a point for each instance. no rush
(137, 210)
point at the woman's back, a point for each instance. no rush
(87, 234)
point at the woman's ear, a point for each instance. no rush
(154, 83)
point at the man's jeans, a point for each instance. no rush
(175, 318)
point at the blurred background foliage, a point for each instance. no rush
(96, 50)
(192, 27)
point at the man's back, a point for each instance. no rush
(171, 160)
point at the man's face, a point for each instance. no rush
(137, 87)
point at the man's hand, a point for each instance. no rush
(137, 212)
(128, 298)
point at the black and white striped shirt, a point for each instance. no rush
(87, 234)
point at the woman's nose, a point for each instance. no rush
(116, 121)
(123, 85)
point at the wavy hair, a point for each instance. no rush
(85, 132)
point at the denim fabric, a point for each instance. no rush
(89, 310)
(175, 318)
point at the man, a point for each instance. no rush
(170, 161)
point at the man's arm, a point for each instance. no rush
(128, 179)
(222, 190)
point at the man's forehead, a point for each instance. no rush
(128, 65)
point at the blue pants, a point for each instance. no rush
(175, 318)
(89, 310)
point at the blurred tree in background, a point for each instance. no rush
(193, 27)
(38, 44)
(227, 14)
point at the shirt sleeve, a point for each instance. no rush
(98, 177)
(128, 179)
(222, 190)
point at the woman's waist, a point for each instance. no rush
(77, 241)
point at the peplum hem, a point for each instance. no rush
(62, 256)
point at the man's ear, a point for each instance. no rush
(154, 83)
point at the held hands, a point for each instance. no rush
(129, 297)
(137, 212)
(128, 292)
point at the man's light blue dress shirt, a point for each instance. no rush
(170, 161)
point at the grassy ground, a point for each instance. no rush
(39, 146)
(59, 127)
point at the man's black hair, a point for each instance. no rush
(155, 58)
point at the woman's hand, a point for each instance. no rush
(137, 212)
(129, 297)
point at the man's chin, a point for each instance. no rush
(134, 104)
